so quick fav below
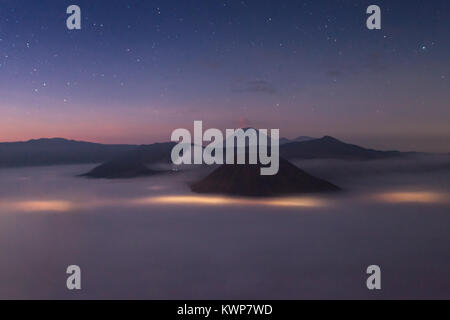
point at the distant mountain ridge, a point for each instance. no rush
(122, 159)
(332, 148)
(56, 151)
(137, 162)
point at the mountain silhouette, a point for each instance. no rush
(56, 151)
(298, 139)
(304, 138)
(329, 147)
(284, 140)
(132, 160)
(246, 180)
(304, 147)
(134, 163)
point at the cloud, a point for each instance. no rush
(334, 73)
(257, 86)
(376, 62)
(244, 122)
(372, 63)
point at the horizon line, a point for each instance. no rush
(154, 142)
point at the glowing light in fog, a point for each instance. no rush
(221, 201)
(413, 197)
(44, 205)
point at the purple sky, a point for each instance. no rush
(139, 69)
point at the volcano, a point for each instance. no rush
(133, 163)
(246, 180)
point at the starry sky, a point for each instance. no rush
(140, 69)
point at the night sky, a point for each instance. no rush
(139, 69)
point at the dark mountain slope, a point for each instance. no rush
(134, 163)
(245, 180)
